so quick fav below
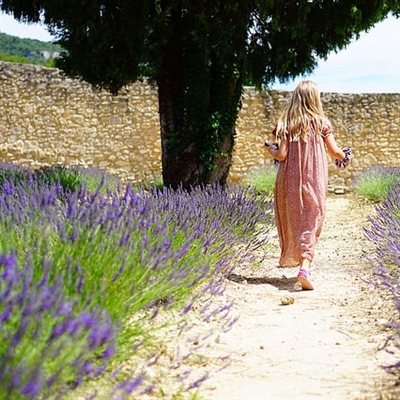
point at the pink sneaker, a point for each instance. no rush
(304, 277)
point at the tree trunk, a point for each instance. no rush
(195, 152)
(180, 156)
(182, 164)
(199, 91)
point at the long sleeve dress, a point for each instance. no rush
(300, 196)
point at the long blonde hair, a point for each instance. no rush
(303, 111)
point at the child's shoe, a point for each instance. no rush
(304, 277)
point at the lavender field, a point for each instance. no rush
(80, 257)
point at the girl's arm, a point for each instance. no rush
(333, 149)
(281, 153)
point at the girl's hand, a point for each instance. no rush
(268, 144)
(346, 161)
(278, 152)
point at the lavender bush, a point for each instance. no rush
(14, 173)
(384, 233)
(48, 345)
(110, 255)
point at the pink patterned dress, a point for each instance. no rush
(299, 197)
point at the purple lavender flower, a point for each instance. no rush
(127, 386)
(384, 233)
(44, 315)
(32, 388)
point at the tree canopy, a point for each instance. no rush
(200, 53)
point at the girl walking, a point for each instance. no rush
(303, 135)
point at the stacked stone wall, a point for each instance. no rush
(47, 119)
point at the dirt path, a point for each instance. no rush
(326, 345)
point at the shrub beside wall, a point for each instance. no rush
(47, 118)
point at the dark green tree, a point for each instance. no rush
(200, 53)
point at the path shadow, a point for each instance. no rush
(282, 283)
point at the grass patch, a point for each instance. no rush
(262, 180)
(375, 183)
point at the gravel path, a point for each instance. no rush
(328, 343)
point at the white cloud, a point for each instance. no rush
(370, 64)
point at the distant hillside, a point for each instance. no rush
(32, 51)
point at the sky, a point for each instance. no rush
(370, 64)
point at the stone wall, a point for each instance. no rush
(47, 118)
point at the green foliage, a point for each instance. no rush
(156, 183)
(27, 51)
(375, 183)
(112, 46)
(15, 59)
(68, 178)
(262, 180)
(71, 179)
(74, 178)
(49, 62)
